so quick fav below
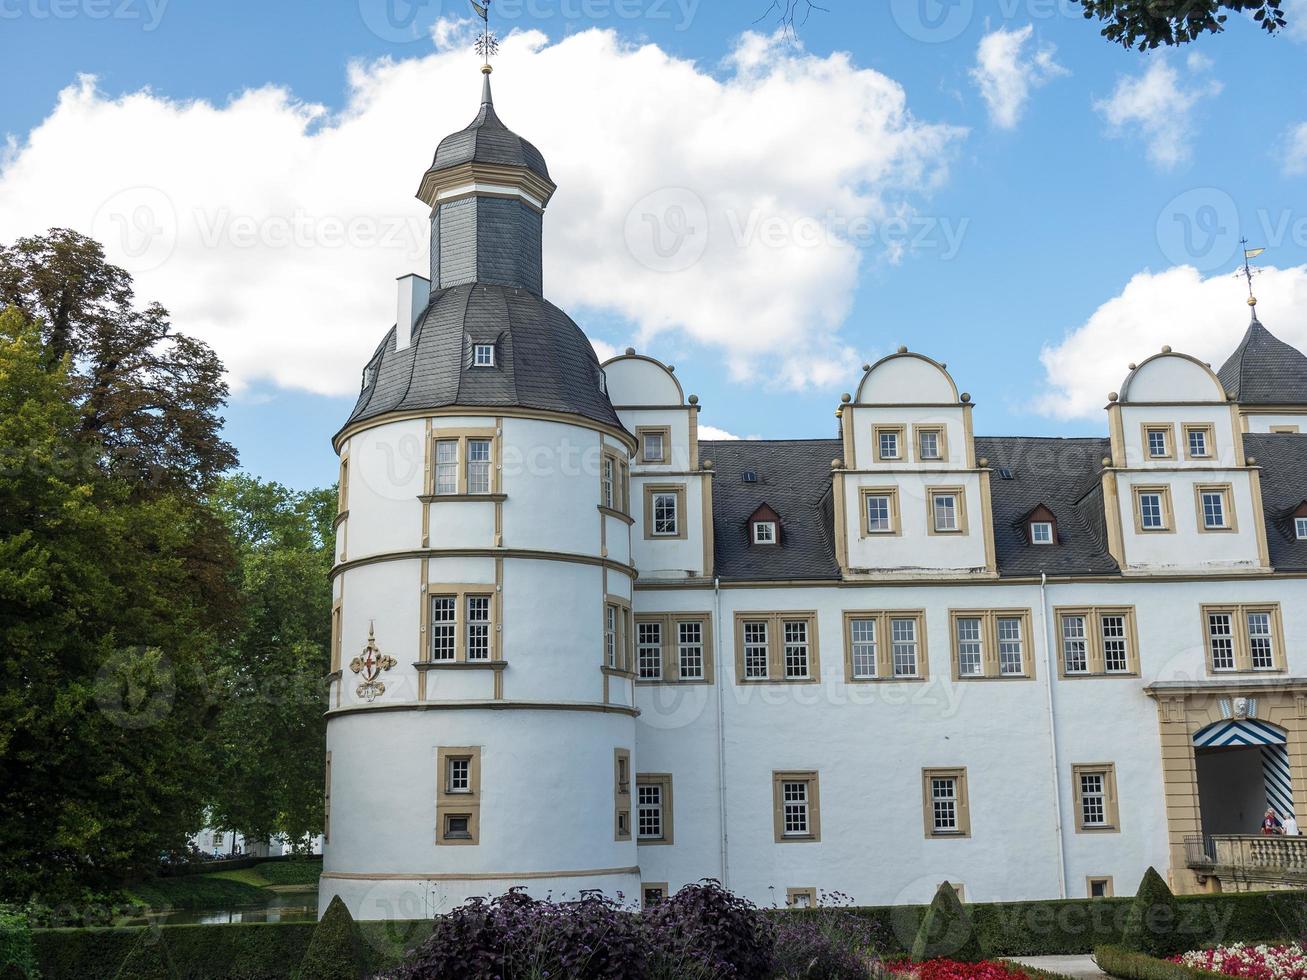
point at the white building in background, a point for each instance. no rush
(577, 647)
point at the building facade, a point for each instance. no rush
(577, 647)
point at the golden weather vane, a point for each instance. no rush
(1247, 272)
(487, 44)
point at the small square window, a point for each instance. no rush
(928, 447)
(653, 445)
(764, 532)
(1100, 887)
(1214, 517)
(653, 894)
(1199, 443)
(483, 355)
(458, 826)
(1300, 528)
(888, 444)
(1158, 442)
(944, 510)
(1041, 532)
(459, 775)
(880, 512)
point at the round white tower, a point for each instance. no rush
(481, 728)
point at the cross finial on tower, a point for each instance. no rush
(1247, 272)
(487, 44)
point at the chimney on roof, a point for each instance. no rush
(414, 294)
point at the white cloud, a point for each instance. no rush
(1158, 106)
(1203, 317)
(1294, 151)
(1006, 72)
(1295, 12)
(278, 228)
(712, 432)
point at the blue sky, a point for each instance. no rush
(1051, 197)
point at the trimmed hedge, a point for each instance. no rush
(1055, 928)
(1150, 925)
(148, 959)
(333, 953)
(946, 931)
(301, 871)
(1130, 965)
(272, 951)
(197, 892)
(244, 951)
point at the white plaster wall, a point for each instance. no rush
(641, 381)
(1134, 418)
(870, 742)
(551, 477)
(1170, 379)
(553, 631)
(865, 419)
(1187, 547)
(1262, 422)
(915, 547)
(532, 763)
(905, 380)
(676, 419)
(386, 597)
(385, 479)
(669, 557)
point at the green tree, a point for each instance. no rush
(1151, 923)
(1147, 24)
(271, 729)
(148, 397)
(333, 952)
(105, 630)
(946, 930)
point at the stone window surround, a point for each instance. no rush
(884, 646)
(990, 643)
(812, 779)
(461, 804)
(1238, 613)
(1094, 653)
(962, 802)
(776, 647)
(669, 641)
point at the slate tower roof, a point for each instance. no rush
(487, 188)
(1264, 370)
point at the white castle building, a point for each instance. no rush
(577, 647)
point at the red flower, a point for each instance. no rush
(953, 970)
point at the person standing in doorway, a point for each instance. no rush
(1290, 826)
(1271, 823)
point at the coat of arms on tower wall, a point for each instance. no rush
(369, 667)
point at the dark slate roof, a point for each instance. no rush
(1063, 475)
(487, 140)
(794, 480)
(1283, 459)
(1264, 370)
(542, 359)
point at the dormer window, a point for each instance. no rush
(1041, 526)
(369, 376)
(1300, 528)
(483, 355)
(764, 527)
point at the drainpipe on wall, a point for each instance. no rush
(1050, 667)
(721, 729)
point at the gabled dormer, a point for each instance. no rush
(671, 488)
(764, 528)
(910, 496)
(1040, 527)
(1179, 493)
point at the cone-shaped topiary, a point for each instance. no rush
(148, 959)
(333, 952)
(946, 930)
(1152, 920)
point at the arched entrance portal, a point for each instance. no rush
(1243, 768)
